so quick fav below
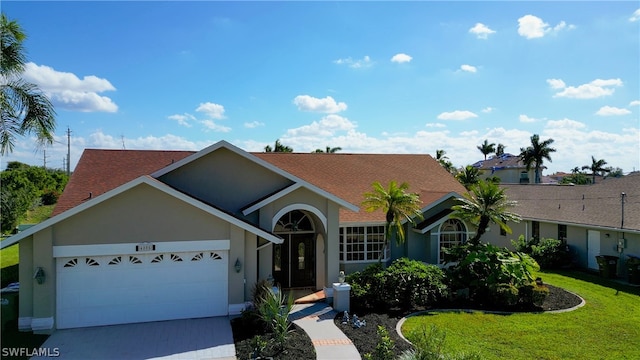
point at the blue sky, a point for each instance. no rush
(369, 77)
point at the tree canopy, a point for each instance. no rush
(535, 154)
(278, 147)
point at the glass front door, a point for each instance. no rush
(294, 261)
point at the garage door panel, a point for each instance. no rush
(104, 290)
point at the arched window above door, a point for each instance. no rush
(295, 221)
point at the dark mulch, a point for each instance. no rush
(366, 338)
(298, 344)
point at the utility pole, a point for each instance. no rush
(68, 151)
(44, 158)
(622, 196)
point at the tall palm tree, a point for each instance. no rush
(24, 108)
(278, 147)
(469, 176)
(398, 206)
(444, 161)
(500, 149)
(486, 148)
(485, 203)
(330, 150)
(597, 166)
(536, 153)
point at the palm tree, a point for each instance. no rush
(25, 109)
(444, 161)
(278, 147)
(469, 176)
(597, 166)
(485, 203)
(486, 148)
(500, 150)
(536, 153)
(330, 150)
(398, 206)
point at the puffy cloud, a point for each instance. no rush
(365, 62)
(211, 125)
(327, 126)
(183, 119)
(634, 103)
(612, 111)
(635, 16)
(401, 58)
(525, 119)
(326, 105)
(532, 27)
(468, 68)
(596, 88)
(457, 115)
(213, 111)
(436, 125)
(481, 31)
(487, 110)
(67, 91)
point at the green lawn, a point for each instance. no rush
(607, 327)
(9, 256)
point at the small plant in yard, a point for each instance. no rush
(384, 348)
(258, 343)
(274, 310)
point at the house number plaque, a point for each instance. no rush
(145, 246)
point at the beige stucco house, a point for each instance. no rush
(508, 167)
(156, 235)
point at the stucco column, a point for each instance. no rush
(44, 295)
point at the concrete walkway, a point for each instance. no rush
(329, 341)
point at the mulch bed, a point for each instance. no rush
(298, 344)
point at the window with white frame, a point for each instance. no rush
(452, 233)
(362, 243)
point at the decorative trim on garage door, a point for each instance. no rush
(128, 248)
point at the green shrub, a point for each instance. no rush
(384, 348)
(260, 290)
(549, 253)
(504, 294)
(366, 286)
(50, 197)
(410, 283)
(533, 294)
(274, 311)
(482, 267)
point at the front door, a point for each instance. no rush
(294, 261)
(593, 248)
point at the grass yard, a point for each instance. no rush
(607, 327)
(9, 256)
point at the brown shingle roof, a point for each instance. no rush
(505, 161)
(347, 176)
(598, 205)
(99, 171)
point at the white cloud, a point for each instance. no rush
(634, 103)
(481, 31)
(213, 111)
(532, 27)
(183, 119)
(468, 68)
(596, 88)
(457, 115)
(635, 16)
(327, 126)
(326, 105)
(401, 58)
(253, 124)
(211, 125)
(526, 119)
(487, 110)
(67, 91)
(436, 125)
(556, 83)
(612, 111)
(365, 62)
(565, 124)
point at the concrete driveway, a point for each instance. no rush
(207, 338)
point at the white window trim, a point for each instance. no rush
(343, 251)
(438, 233)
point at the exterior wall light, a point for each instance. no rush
(39, 275)
(238, 265)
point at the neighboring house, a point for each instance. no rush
(508, 167)
(156, 235)
(599, 219)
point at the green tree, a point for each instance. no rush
(485, 203)
(535, 155)
(329, 150)
(615, 172)
(597, 166)
(24, 108)
(500, 150)
(444, 161)
(398, 206)
(469, 176)
(486, 148)
(278, 147)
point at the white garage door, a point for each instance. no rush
(107, 290)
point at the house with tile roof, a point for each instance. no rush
(508, 167)
(597, 219)
(156, 235)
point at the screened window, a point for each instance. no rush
(362, 243)
(562, 233)
(535, 230)
(452, 233)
